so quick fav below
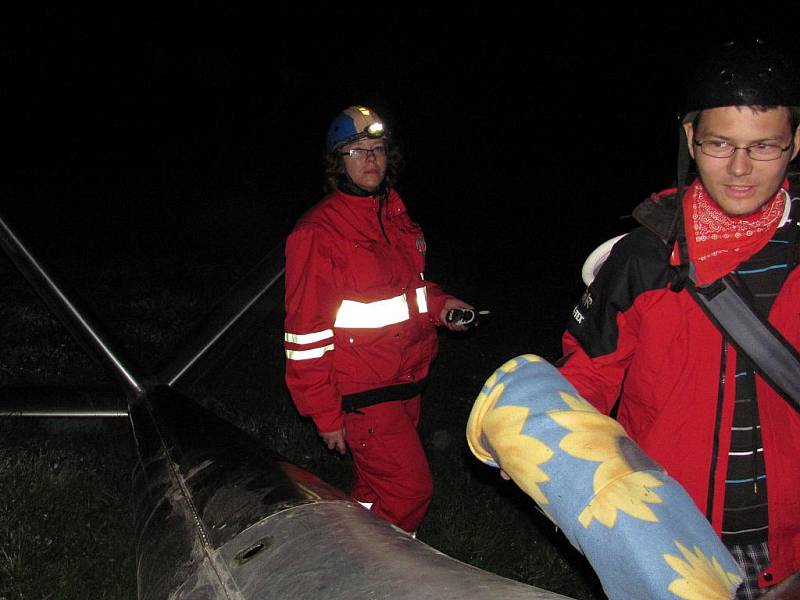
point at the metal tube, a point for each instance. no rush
(49, 402)
(222, 328)
(84, 328)
(219, 515)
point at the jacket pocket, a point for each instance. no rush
(365, 267)
(368, 356)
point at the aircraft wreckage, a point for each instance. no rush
(219, 515)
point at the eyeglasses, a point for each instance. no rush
(362, 153)
(723, 149)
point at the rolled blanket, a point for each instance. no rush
(639, 529)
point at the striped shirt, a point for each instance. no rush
(745, 513)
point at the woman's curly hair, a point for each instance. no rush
(333, 163)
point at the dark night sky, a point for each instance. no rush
(118, 115)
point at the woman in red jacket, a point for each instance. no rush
(360, 320)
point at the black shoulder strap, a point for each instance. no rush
(775, 359)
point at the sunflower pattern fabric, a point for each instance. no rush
(638, 528)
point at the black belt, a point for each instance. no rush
(390, 393)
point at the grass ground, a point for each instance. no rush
(65, 520)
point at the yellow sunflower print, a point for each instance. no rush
(700, 579)
(616, 485)
(502, 425)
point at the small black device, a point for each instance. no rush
(466, 316)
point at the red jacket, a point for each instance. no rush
(359, 313)
(630, 334)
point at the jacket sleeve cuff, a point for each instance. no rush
(328, 422)
(436, 299)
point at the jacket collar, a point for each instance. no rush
(346, 185)
(658, 214)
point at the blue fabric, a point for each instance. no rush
(638, 527)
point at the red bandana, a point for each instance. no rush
(719, 242)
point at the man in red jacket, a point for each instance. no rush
(360, 320)
(639, 342)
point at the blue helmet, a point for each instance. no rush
(352, 124)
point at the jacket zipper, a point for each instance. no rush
(717, 424)
(754, 418)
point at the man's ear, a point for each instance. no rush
(688, 129)
(796, 143)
